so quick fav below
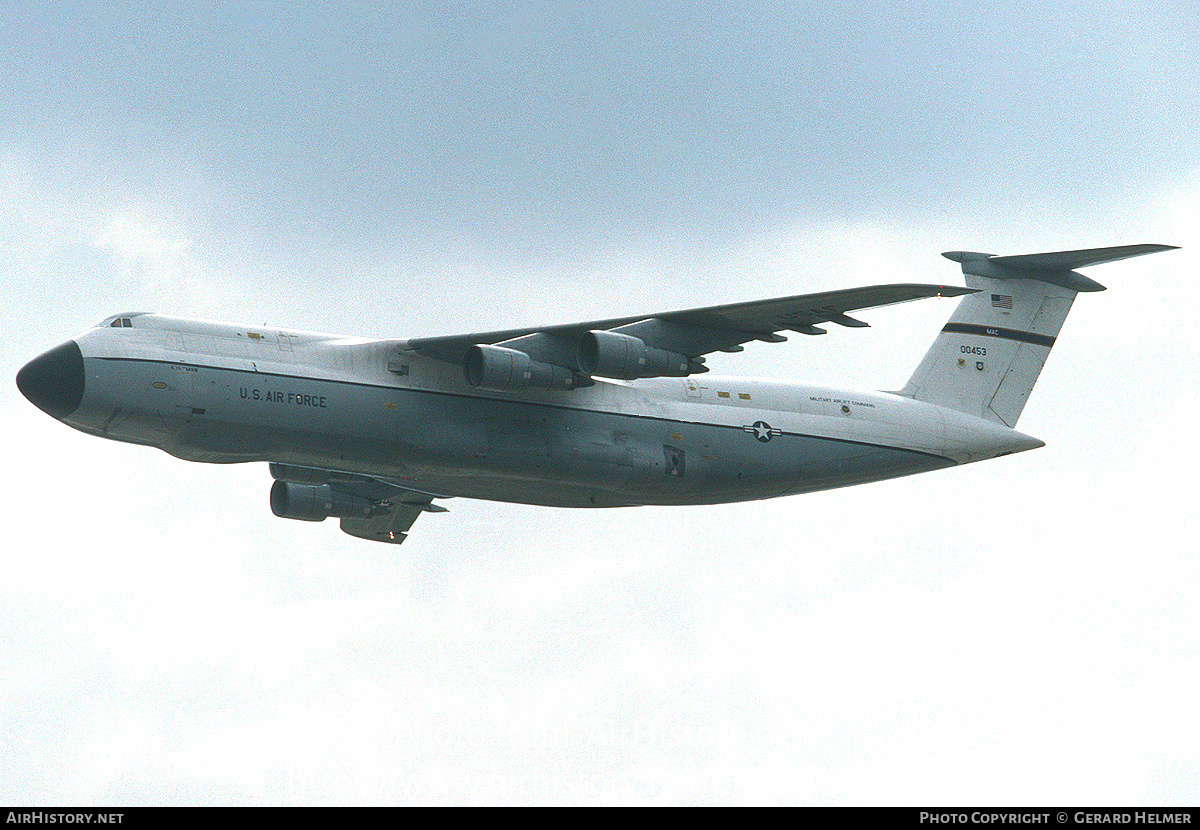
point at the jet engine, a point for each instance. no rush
(316, 503)
(611, 354)
(496, 367)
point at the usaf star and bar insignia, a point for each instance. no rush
(762, 431)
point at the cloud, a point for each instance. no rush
(138, 245)
(961, 636)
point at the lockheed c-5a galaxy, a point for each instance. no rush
(605, 413)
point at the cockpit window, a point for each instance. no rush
(121, 321)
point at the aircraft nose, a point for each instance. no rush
(53, 382)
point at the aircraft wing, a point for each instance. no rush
(693, 332)
(391, 526)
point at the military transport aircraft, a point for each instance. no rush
(605, 413)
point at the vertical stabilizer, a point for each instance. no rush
(988, 356)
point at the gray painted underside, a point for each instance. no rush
(477, 447)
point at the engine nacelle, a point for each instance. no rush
(611, 354)
(299, 475)
(497, 367)
(316, 504)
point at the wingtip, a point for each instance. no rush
(955, 291)
(963, 256)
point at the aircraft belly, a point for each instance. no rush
(520, 451)
(474, 446)
(825, 464)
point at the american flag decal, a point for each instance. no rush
(1001, 301)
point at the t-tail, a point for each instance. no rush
(988, 356)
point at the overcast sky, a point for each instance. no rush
(1023, 631)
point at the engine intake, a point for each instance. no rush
(611, 354)
(316, 504)
(500, 368)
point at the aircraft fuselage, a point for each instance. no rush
(227, 393)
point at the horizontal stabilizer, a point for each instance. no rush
(1070, 260)
(1055, 268)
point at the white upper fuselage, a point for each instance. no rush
(223, 393)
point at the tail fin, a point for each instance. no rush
(987, 358)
